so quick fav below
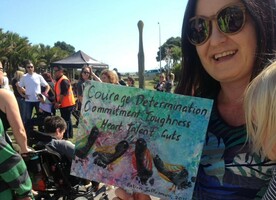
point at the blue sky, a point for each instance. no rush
(104, 29)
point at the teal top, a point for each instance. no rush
(228, 170)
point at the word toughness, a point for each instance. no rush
(148, 115)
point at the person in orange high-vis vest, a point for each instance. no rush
(65, 100)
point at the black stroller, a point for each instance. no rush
(50, 175)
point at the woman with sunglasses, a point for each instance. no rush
(225, 44)
(85, 75)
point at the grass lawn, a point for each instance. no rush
(148, 84)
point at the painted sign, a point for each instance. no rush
(141, 140)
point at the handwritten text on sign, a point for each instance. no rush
(142, 140)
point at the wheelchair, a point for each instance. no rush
(51, 179)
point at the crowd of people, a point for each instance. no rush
(227, 47)
(165, 84)
(46, 94)
(40, 92)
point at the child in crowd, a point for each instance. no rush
(160, 86)
(260, 114)
(45, 105)
(45, 110)
(55, 126)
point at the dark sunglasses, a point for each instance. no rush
(29, 67)
(229, 19)
(86, 72)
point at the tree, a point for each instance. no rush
(177, 71)
(170, 52)
(48, 54)
(66, 47)
(14, 49)
(176, 54)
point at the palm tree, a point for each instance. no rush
(12, 50)
(15, 49)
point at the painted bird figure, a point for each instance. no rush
(142, 161)
(103, 159)
(176, 174)
(82, 152)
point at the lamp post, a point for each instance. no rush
(159, 44)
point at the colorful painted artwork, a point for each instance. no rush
(141, 140)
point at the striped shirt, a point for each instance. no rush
(271, 191)
(14, 177)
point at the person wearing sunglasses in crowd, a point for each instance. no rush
(225, 44)
(30, 84)
(85, 75)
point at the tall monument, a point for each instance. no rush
(141, 57)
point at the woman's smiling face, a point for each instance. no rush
(105, 78)
(227, 58)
